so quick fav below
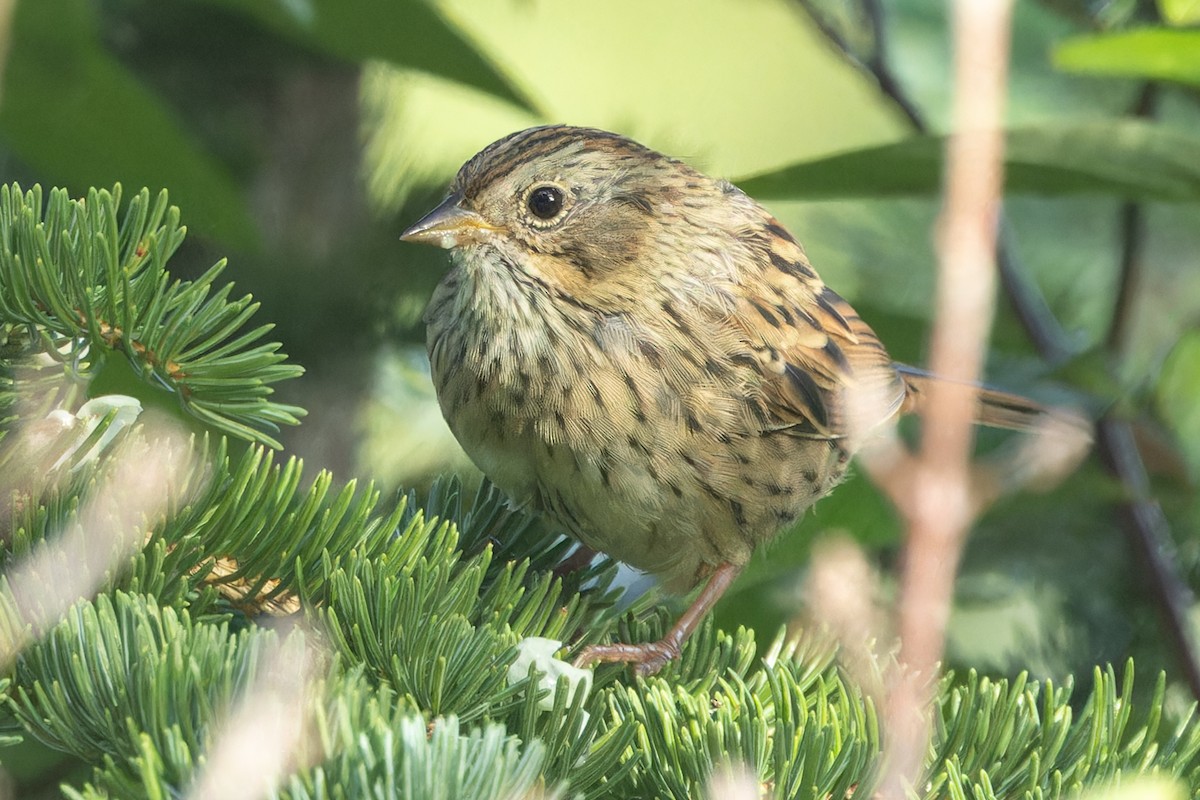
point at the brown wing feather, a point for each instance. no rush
(825, 373)
(813, 349)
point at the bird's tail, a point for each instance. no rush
(994, 408)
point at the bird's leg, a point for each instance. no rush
(649, 657)
(580, 558)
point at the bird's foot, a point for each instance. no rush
(647, 659)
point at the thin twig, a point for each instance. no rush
(939, 509)
(1028, 303)
(1037, 319)
(876, 65)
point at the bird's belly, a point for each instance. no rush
(600, 492)
(656, 462)
(656, 495)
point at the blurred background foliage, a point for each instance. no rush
(299, 137)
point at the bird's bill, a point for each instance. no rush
(450, 225)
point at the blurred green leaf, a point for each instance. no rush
(1177, 393)
(72, 111)
(1124, 157)
(1180, 12)
(407, 33)
(636, 68)
(1159, 53)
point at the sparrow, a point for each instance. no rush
(644, 355)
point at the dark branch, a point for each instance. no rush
(878, 65)
(1133, 231)
(1036, 317)
(831, 33)
(1145, 524)
(1149, 534)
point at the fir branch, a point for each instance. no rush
(487, 520)
(1021, 739)
(137, 690)
(419, 616)
(83, 282)
(800, 738)
(250, 513)
(714, 653)
(122, 667)
(586, 745)
(407, 632)
(412, 758)
(275, 534)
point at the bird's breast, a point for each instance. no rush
(640, 447)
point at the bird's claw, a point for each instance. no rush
(647, 658)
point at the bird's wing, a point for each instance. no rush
(824, 372)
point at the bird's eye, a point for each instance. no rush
(545, 202)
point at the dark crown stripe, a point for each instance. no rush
(502, 158)
(496, 162)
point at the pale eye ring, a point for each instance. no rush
(545, 201)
